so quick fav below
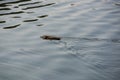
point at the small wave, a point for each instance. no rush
(43, 16)
(29, 12)
(5, 9)
(2, 21)
(7, 3)
(3, 5)
(19, 12)
(16, 17)
(38, 6)
(118, 4)
(30, 20)
(94, 39)
(9, 27)
(39, 25)
(29, 3)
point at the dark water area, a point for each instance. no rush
(89, 48)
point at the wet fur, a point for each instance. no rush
(48, 37)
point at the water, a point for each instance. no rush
(89, 50)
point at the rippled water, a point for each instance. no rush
(89, 48)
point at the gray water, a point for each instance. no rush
(89, 49)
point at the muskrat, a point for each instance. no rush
(49, 37)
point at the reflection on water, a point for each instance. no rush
(4, 4)
(5, 9)
(89, 48)
(40, 25)
(118, 4)
(29, 3)
(14, 26)
(16, 17)
(42, 16)
(32, 7)
(2, 21)
(94, 39)
(19, 12)
(30, 20)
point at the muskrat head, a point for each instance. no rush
(45, 37)
(48, 37)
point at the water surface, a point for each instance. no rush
(89, 49)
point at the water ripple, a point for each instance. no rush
(29, 3)
(43, 16)
(30, 20)
(14, 2)
(2, 21)
(89, 48)
(32, 7)
(18, 12)
(10, 27)
(5, 9)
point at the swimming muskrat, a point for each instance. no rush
(49, 37)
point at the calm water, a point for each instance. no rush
(89, 49)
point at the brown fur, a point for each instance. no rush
(48, 37)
